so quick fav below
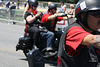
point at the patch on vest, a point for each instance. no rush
(59, 61)
(98, 51)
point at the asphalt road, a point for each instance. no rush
(9, 57)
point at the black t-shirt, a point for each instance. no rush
(32, 14)
(27, 14)
(13, 6)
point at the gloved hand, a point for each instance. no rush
(40, 15)
(63, 14)
(60, 15)
(43, 29)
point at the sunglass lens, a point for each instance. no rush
(96, 13)
(34, 6)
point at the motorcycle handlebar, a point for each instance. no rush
(63, 14)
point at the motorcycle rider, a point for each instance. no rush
(31, 16)
(79, 46)
(50, 19)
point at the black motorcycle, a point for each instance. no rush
(36, 55)
(25, 42)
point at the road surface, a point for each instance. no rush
(9, 57)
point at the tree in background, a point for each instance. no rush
(72, 1)
(67, 1)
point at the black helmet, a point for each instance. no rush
(52, 6)
(33, 2)
(86, 6)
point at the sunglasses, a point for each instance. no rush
(55, 8)
(95, 14)
(34, 6)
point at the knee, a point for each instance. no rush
(51, 34)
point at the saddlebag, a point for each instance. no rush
(35, 58)
(23, 43)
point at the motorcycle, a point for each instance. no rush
(25, 42)
(36, 54)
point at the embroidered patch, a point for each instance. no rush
(83, 5)
(59, 61)
(98, 51)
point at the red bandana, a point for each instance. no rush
(34, 12)
(49, 13)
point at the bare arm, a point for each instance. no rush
(65, 18)
(93, 40)
(64, 9)
(9, 7)
(52, 17)
(70, 11)
(31, 19)
(97, 43)
(57, 15)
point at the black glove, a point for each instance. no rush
(43, 29)
(37, 22)
(63, 14)
(41, 14)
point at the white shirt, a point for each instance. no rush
(63, 6)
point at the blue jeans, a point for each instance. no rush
(50, 38)
(60, 11)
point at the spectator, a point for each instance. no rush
(12, 11)
(50, 19)
(80, 43)
(26, 4)
(1, 3)
(49, 3)
(63, 7)
(7, 4)
(71, 10)
(27, 7)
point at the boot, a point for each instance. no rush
(50, 53)
(34, 47)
